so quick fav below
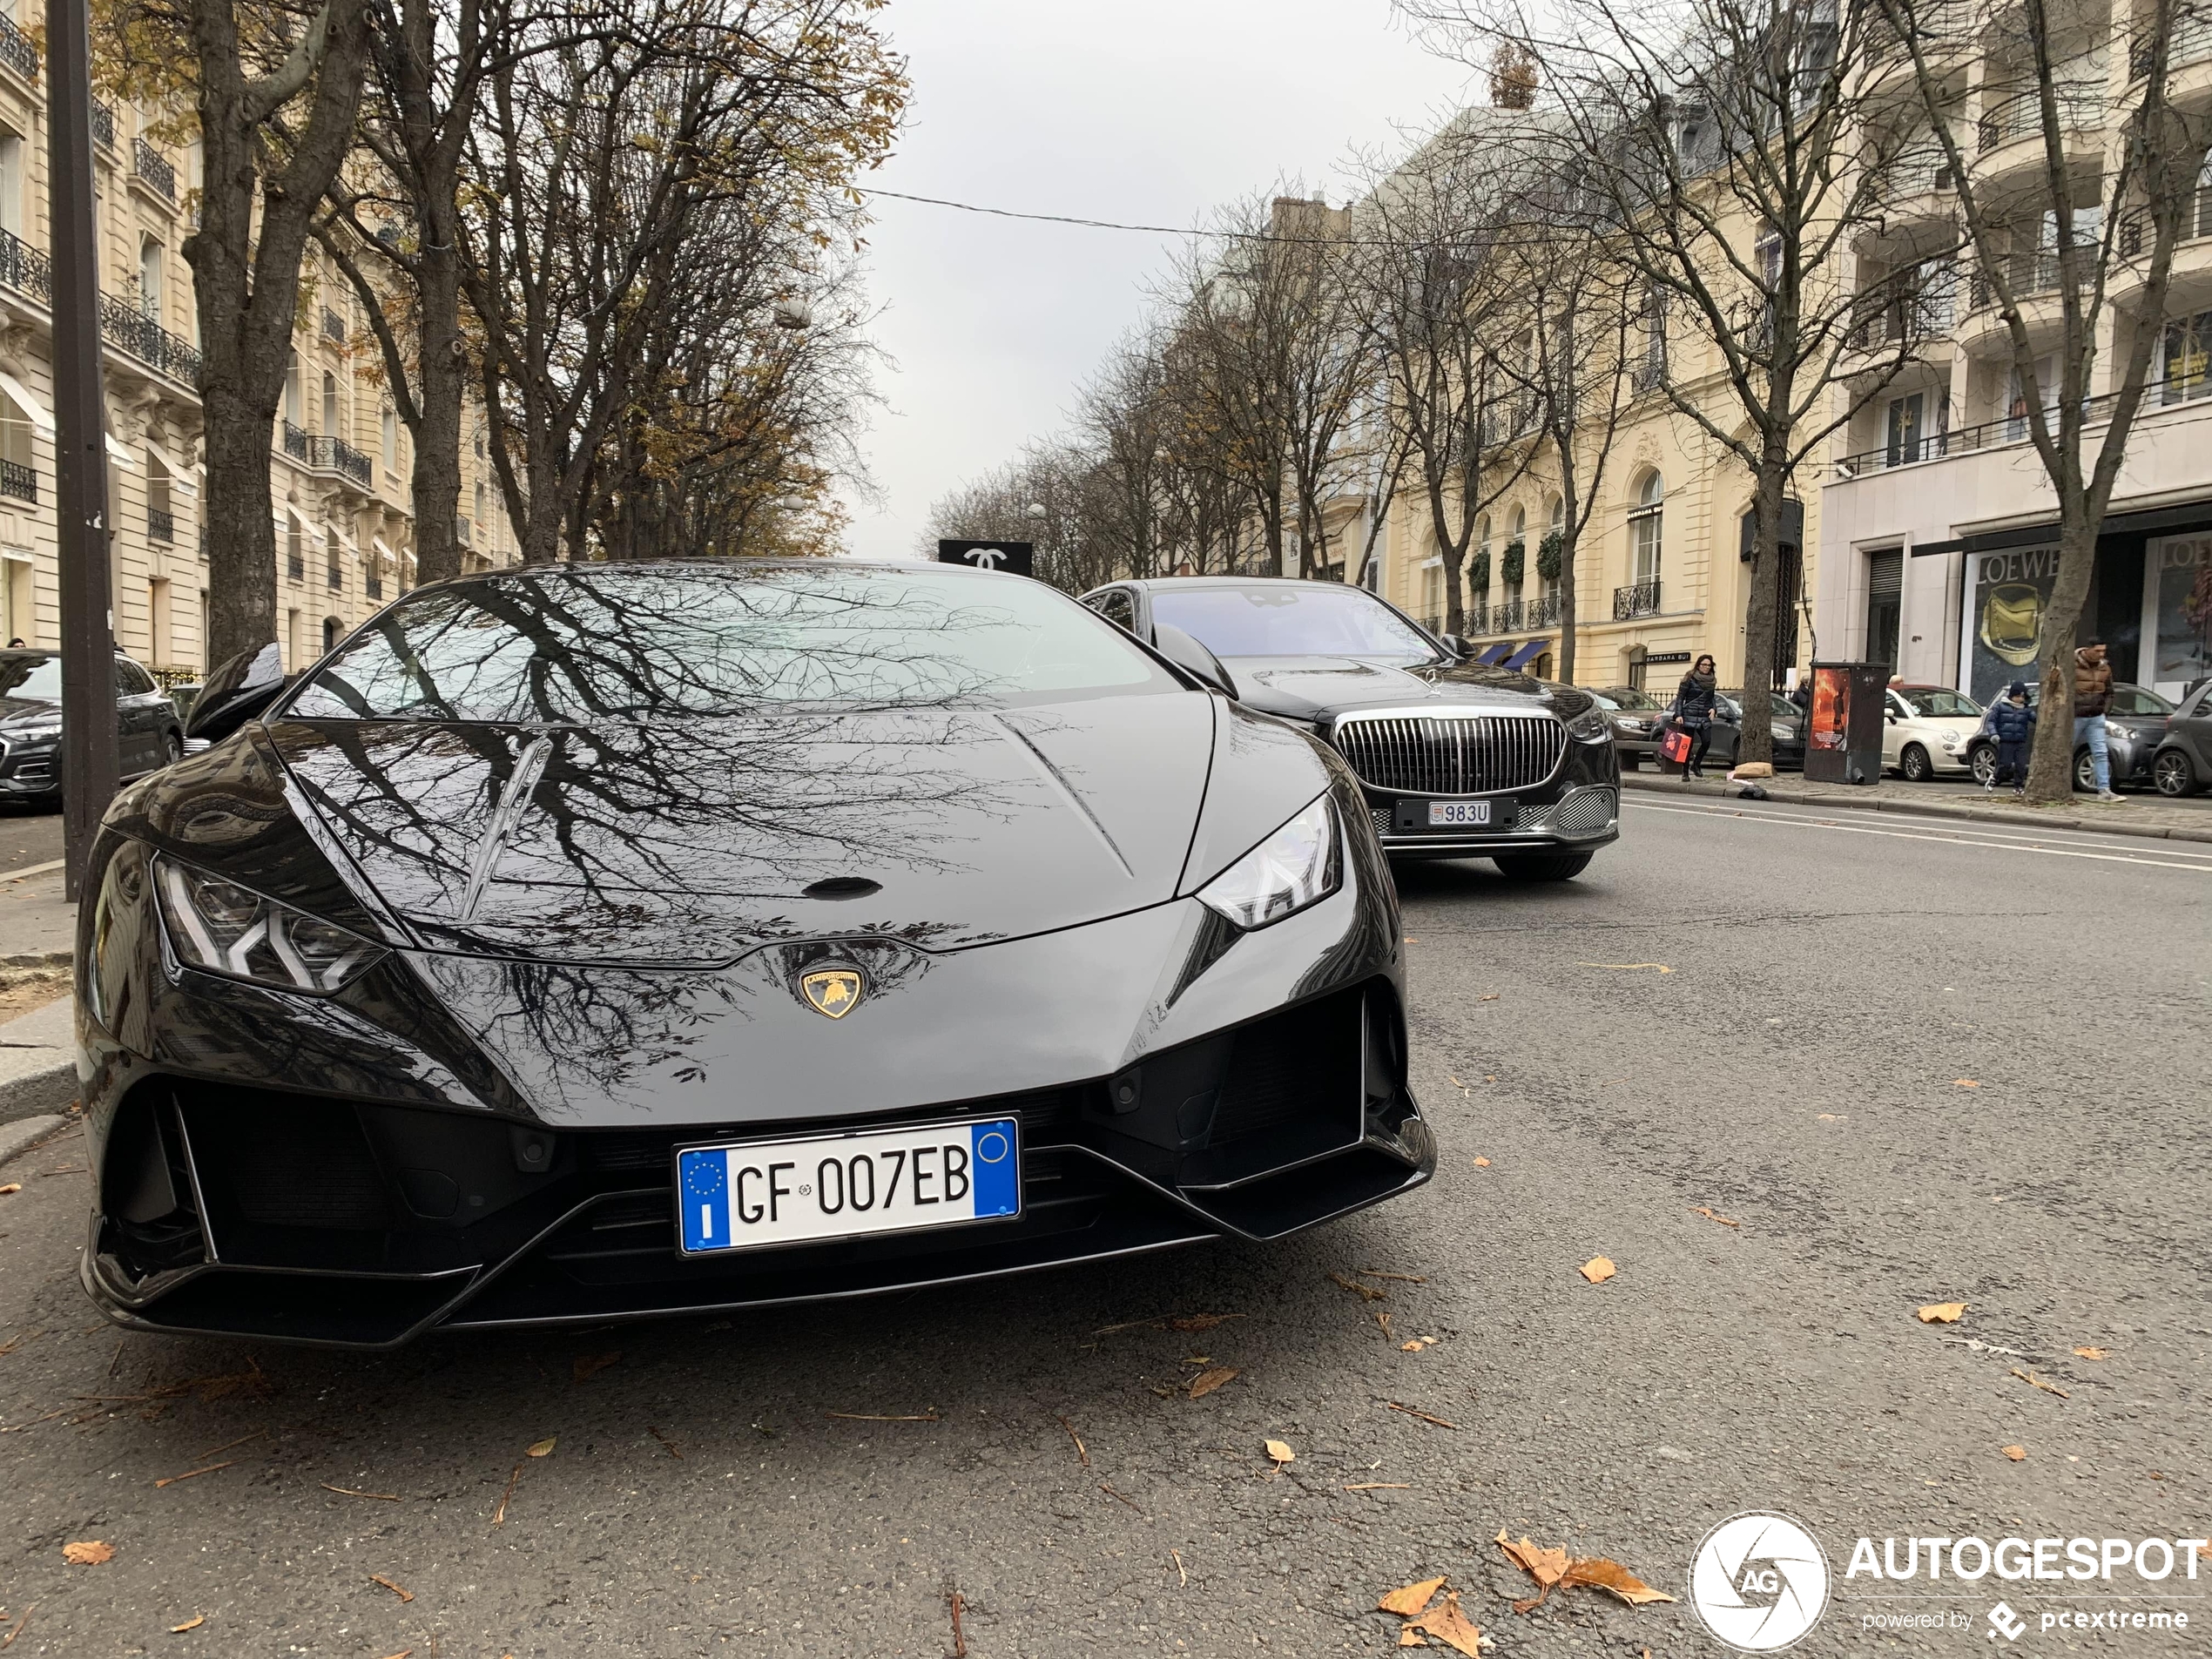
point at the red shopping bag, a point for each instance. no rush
(1676, 745)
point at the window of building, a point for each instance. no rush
(295, 548)
(389, 439)
(1645, 526)
(159, 639)
(161, 507)
(18, 596)
(1432, 593)
(12, 183)
(1556, 534)
(329, 405)
(292, 660)
(2185, 358)
(334, 554)
(295, 397)
(149, 278)
(1479, 586)
(18, 474)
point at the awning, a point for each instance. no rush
(1527, 653)
(41, 416)
(383, 553)
(118, 455)
(1493, 654)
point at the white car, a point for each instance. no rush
(1927, 730)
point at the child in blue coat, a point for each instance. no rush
(2012, 722)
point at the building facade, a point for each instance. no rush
(339, 457)
(1938, 523)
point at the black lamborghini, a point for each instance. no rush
(1455, 759)
(600, 942)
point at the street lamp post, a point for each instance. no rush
(89, 759)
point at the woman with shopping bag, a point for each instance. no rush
(1692, 710)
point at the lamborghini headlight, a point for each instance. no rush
(224, 928)
(1301, 864)
(1591, 725)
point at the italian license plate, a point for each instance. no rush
(744, 1195)
(1458, 812)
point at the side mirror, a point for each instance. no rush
(1457, 644)
(237, 692)
(1187, 654)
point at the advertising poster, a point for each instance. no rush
(2010, 591)
(1828, 726)
(2182, 569)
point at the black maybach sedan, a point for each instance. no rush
(1455, 759)
(605, 941)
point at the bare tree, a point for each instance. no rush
(2048, 255)
(1722, 145)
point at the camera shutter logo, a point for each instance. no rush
(1759, 1581)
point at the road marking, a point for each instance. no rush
(1947, 840)
(30, 869)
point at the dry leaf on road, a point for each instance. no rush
(1448, 1625)
(1280, 1450)
(1599, 1269)
(1482, 1164)
(1546, 1566)
(1206, 1381)
(1603, 1574)
(192, 1623)
(589, 1365)
(1408, 1600)
(1965, 1083)
(379, 1578)
(12, 1186)
(541, 1448)
(1714, 1215)
(2093, 1353)
(2016, 1452)
(88, 1552)
(1943, 1313)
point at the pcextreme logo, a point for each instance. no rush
(1759, 1581)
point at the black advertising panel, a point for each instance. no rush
(1016, 558)
(1843, 727)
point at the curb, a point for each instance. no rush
(1869, 801)
(22, 1136)
(38, 1062)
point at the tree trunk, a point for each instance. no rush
(241, 549)
(1568, 538)
(1755, 741)
(2050, 767)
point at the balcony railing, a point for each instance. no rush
(1542, 611)
(2081, 108)
(23, 269)
(1922, 170)
(372, 585)
(2192, 40)
(1648, 375)
(334, 326)
(16, 50)
(325, 455)
(334, 573)
(102, 124)
(161, 525)
(19, 481)
(1912, 304)
(1505, 615)
(2031, 272)
(1637, 599)
(2136, 232)
(2011, 429)
(154, 167)
(1508, 419)
(125, 326)
(295, 566)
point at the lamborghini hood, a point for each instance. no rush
(697, 841)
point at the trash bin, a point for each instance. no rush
(1844, 726)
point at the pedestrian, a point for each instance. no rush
(1695, 703)
(1801, 694)
(2092, 697)
(2012, 722)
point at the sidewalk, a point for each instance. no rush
(2160, 820)
(38, 1050)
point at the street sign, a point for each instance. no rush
(1016, 558)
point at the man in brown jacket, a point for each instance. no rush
(2092, 697)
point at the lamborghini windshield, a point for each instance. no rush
(646, 642)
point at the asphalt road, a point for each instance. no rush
(1804, 1068)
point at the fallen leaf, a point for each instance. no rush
(1448, 1625)
(1943, 1313)
(2093, 1353)
(1599, 1269)
(189, 1624)
(2018, 1453)
(1206, 1381)
(1489, 996)
(379, 1578)
(1833, 1117)
(1965, 1083)
(1382, 1318)
(1414, 1346)
(589, 1365)
(1409, 1599)
(2034, 1381)
(499, 1516)
(1367, 1292)
(88, 1552)
(1602, 1575)
(1714, 1215)
(12, 1186)
(1280, 1450)
(541, 1448)
(1409, 1637)
(1482, 1164)
(1546, 1566)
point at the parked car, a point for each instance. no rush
(1637, 717)
(2135, 726)
(1786, 721)
(1927, 730)
(148, 733)
(2182, 764)
(1455, 760)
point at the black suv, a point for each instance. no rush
(149, 734)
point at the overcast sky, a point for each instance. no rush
(1145, 111)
